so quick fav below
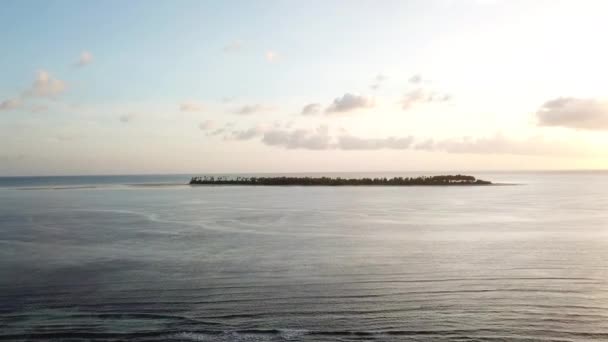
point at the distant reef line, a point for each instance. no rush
(445, 180)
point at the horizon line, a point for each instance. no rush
(302, 172)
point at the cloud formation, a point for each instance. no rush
(206, 125)
(250, 109)
(318, 139)
(378, 81)
(311, 109)
(349, 102)
(46, 85)
(349, 142)
(415, 79)
(10, 104)
(84, 59)
(570, 112)
(420, 95)
(500, 144)
(191, 107)
(247, 134)
(321, 139)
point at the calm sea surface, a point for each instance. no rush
(145, 258)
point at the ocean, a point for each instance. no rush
(149, 258)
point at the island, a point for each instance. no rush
(456, 180)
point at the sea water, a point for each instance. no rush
(150, 258)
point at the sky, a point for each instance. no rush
(128, 87)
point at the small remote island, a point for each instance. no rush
(456, 180)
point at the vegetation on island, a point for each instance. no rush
(329, 181)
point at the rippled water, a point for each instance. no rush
(100, 258)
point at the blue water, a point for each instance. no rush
(150, 258)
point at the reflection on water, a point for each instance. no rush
(112, 261)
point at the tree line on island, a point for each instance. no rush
(329, 181)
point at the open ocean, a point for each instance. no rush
(148, 258)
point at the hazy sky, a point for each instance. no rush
(95, 87)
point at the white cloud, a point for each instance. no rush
(349, 142)
(588, 114)
(250, 109)
(500, 144)
(349, 102)
(420, 95)
(84, 59)
(10, 104)
(248, 134)
(206, 125)
(191, 107)
(321, 139)
(415, 79)
(46, 86)
(221, 130)
(378, 81)
(299, 138)
(427, 145)
(311, 109)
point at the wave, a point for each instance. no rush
(273, 334)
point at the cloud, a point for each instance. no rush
(426, 145)
(378, 81)
(299, 138)
(420, 95)
(250, 109)
(218, 131)
(126, 118)
(499, 144)
(415, 79)
(320, 139)
(206, 125)
(10, 104)
(85, 58)
(570, 112)
(234, 46)
(191, 107)
(271, 56)
(247, 134)
(349, 142)
(349, 102)
(311, 109)
(46, 86)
